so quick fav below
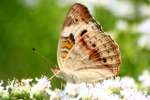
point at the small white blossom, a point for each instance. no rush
(125, 88)
(56, 95)
(1, 87)
(132, 94)
(60, 95)
(144, 41)
(3, 93)
(148, 97)
(143, 27)
(111, 83)
(145, 79)
(30, 3)
(72, 89)
(43, 85)
(19, 89)
(144, 10)
(127, 82)
(122, 25)
(85, 90)
(99, 93)
(112, 97)
(10, 84)
(26, 82)
(121, 8)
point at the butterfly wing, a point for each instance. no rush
(76, 20)
(84, 47)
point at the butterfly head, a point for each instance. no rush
(57, 72)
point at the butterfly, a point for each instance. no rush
(85, 53)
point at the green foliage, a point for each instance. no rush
(23, 28)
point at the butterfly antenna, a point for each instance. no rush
(43, 57)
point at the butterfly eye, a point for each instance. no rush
(83, 32)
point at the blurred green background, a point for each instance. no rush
(27, 24)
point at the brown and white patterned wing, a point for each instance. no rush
(76, 21)
(84, 47)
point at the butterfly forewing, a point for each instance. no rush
(84, 47)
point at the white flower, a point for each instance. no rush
(60, 95)
(144, 10)
(112, 97)
(26, 82)
(80, 90)
(132, 94)
(99, 93)
(144, 41)
(145, 79)
(148, 97)
(55, 97)
(18, 88)
(3, 93)
(85, 90)
(125, 88)
(72, 89)
(122, 25)
(143, 27)
(111, 83)
(121, 8)
(30, 3)
(127, 82)
(1, 87)
(42, 86)
(10, 84)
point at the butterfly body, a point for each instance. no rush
(85, 53)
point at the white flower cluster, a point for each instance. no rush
(125, 88)
(113, 89)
